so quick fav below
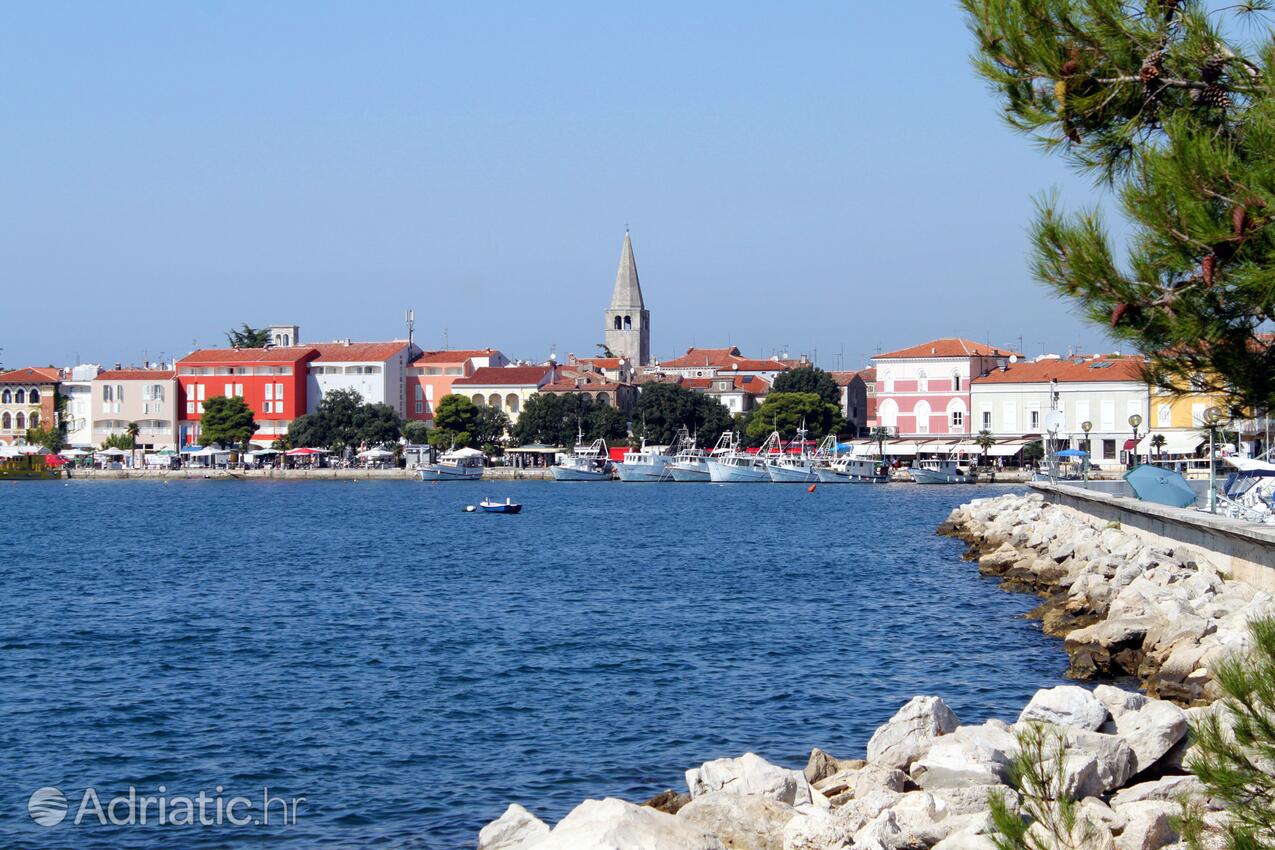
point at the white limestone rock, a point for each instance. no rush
(515, 829)
(1066, 705)
(971, 755)
(1117, 700)
(613, 824)
(740, 821)
(1148, 825)
(749, 774)
(1152, 730)
(876, 777)
(1168, 789)
(910, 732)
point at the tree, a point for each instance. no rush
(49, 438)
(248, 337)
(1047, 817)
(808, 379)
(117, 441)
(1234, 750)
(489, 427)
(133, 431)
(416, 432)
(343, 420)
(985, 441)
(226, 421)
(453, 422)
(785, 412)
(556, 419)
(608, 423)
(604, 350)
(1157, 443)
(664, 409)
(1162, 105)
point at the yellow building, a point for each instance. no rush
(1180, 420)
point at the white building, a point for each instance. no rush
(1103, 390)
(77, 416)
(376, 370)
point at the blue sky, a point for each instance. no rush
(829, 176)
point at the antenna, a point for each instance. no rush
(411, 328)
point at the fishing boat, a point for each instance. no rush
(506, 507)
(800, 468)
(585, 463)
(691, 463)
(27, 467)
(742, 467)
(644, 465)
(939, 471)
(853, 470)
(454, 465)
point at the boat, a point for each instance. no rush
(585, 463)
(939, 471)
(853, 470)
(691, 463)
(454, 465)
(742, 467)
(505, 507)
(27, 467)
(796, 469)
(644, 465)
(1249, 492)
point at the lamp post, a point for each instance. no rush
(1212, 416)
(1134, 421)
(1086, 426)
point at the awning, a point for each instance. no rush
(1175, 443)
(1130, 444)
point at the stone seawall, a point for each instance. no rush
(494, 473)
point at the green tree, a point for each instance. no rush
(985, 441)
(785, 412)
(1157, 443)
(248, 337)
(50, 438)
(489, 427)
(664, 409)
(117, 441)
(377, 425)
(1046, 818)
(555, 419)
(133, 432)
(454, 422)
(604, 350)
(416, 432)
(608, 423)
(226, 421)
(343, 420)
(1234, 749)
(1167, 104)
(808, 379)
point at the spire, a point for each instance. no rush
(628, 293)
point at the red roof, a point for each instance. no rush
(844, 378)
(249, 355)
(358, 352)
(135, 374)
(459, 355)
(601, 362)
(30, 375)
(504, 376)
(722, 358)
(869, 375)
(569, 386)
(945, 347)
(1109, 368)
(697, 383)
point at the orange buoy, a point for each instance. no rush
(812, 489)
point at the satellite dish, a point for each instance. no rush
(1054, 421)
(1013, 358)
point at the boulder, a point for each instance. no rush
(972, 755)
(669, 801)
(1117, 700)
(1114, 760)
(1152, 730)
(1066, 705)
(515, 829)
(618, 825)
(749, 774)
(1148, 825)
(824, 829)
(909, 733)
(819, 766)
(1168, 789)
(740, 821)
(876, 777)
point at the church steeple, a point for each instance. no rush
(627, 328)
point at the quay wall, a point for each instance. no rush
(495, 473)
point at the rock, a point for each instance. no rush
(515, 829)
(1152, 730)
(876, 777)
(974, 799)
(882, 833)
(740, 821)
(1066, 705)
(669, 801)
(617, 825)
(1168, 789)
(909, 733)
(1095, 810)
(1114, 760)
(1117, 701)
(749, 774)
(1091, 835)
(1148, 825)
(819, 766)
(966, 840)
(824, 829)
(972, 755)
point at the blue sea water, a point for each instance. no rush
(409, 669)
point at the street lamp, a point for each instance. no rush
(1134, 421)
(1212, 416)
(1086, 426)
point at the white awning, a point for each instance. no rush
(1009, 448)
(1175, 443)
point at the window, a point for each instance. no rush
(108, 393)
(420, 407)
(268, 407)
(956, 382)
(1108, 415)
(958, 418)
(922, 411)
(7, 421)
(628, 323)
(20, 397)
(1082, 414)
(987, 420)
(1108, 449)
(922, 382)
(420, 393)
(278, 394)
(888, 381)
(1197, 414)
(1164, 416)
(617, 323)
(20, 421)
(6, 397)
(35, 421)
(190, 407)
(34, 398)
(230, 390)
(269, 392)
(1033, 420)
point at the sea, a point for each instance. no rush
(299, 664)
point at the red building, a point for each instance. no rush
(271, 381)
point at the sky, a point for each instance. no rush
(828, 178)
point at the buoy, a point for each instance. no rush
(812, 489)
(469, 509)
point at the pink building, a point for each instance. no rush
(925, 389)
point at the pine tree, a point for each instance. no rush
(1162, 103)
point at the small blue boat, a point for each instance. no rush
(505, 507)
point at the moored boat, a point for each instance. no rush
(853, 470)
(454, 465)
(742, 467)
(939, 471)
(647, 465)
(585, 463)
(800, 468)
(691, 463)
(506, 507)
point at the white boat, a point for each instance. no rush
(454, 465)
(796, 469)
(691, 463)
(741, 467)
(939, 471)
(644, 465)
(585, 463)
(853, 470)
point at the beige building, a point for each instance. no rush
(505, 388)
(147, 397)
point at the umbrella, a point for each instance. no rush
(1162, 486)
(73, 453)
(191, 449)
(375, 453)
(1073, 453)
(303, 452)
(112, 453)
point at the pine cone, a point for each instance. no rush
(1118, 313)
(1207, 266)
(1149, 73)
(1212, 70)
(1214, 95)
(1239, 220)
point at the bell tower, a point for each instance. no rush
(627, 322)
